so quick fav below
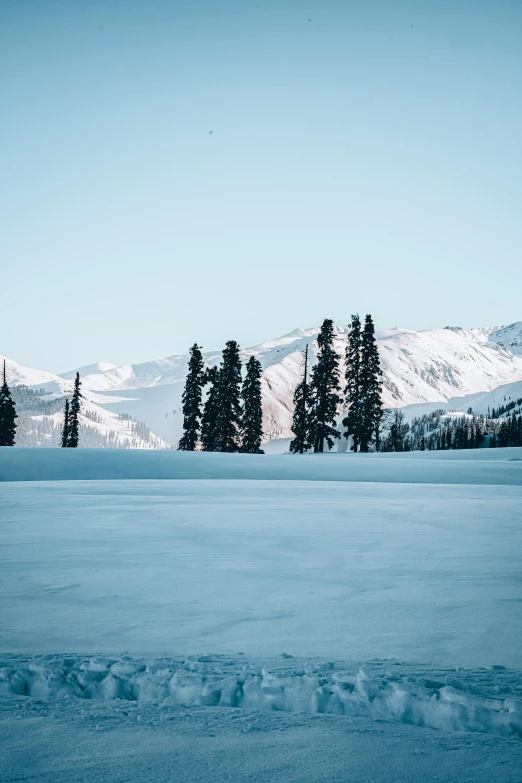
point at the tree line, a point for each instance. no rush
(318, 398)
(231, 418)
(435, 432)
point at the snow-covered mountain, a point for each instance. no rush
(510, 336)
(420, 368)
(39, 398)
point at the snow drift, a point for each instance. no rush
(395, 697)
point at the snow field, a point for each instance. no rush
(274, 619)
(421, 572)
(474, 466)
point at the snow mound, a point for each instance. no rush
(394, 697)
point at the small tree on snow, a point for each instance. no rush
(209, 433)
(324, 390)
(229, 406)
(191, 400)
(7, 414)
(74, 415)
(300, 421)
(252, 416)
(65, 430)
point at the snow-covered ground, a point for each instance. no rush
(281, 618)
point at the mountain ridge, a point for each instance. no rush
(424, 367)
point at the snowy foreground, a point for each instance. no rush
(232, 618)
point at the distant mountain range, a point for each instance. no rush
(450, 368)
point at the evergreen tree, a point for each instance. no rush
(300, 421)
(210, 411)
(74, 413)
(229, 410)
(65, 430)
(354, 420)
(371, 386)
(7, 414)
(252, 416)
(191, 400)
(324, 390)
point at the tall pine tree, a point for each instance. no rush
(191, 400)
(8, 414)
(252, 416)
(229, 409)
(371, 387)
(210, 411)
(300, 421)
(324, 390)
(354, 419)
(74, 413)
(65, 430)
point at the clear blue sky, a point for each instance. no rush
(189, 171)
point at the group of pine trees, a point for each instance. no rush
(71, 422)
(509, 433)
(496, 413)
(230, 418)
(318, 398)
(436, 431)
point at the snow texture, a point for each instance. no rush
(273, 619)
(489, 702)
(477, 466)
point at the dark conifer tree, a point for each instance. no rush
(252, 416)
(8, 414)
(74, 413)
(300, 421)
(210, 411)
(191, 400)
(324, 390)
(65, 430)
(229, 410)
(371, 386)
(354, 420)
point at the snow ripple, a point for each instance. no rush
(444, 705)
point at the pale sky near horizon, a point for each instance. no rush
(190, 171)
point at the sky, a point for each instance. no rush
(198, 171)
